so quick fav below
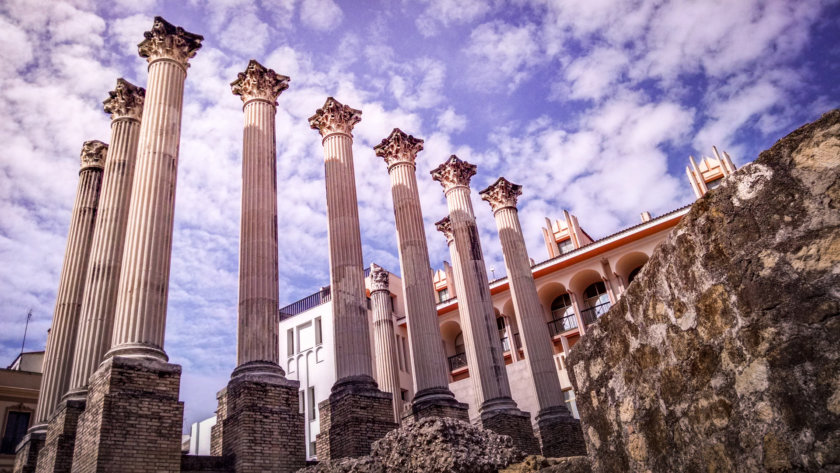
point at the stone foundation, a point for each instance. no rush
(133, 419)
(216, 432)
(429, 405)
(205, 464)
(560, 434)
(355, 415)
(514, 423)
(57, 453)
(26, 453)
(263, 427)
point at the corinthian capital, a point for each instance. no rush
(398, 148)
(258, 82)
(444, 226)
(94, 153)
(167, 41)
(378, 278)
(501, 194)
(125, 101)
(453, 173)
(334, 117)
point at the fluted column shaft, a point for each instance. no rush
(539, 349)
(347, 279)
(103, 274)
(144, 280)
(387, 374)
(258, 337)
(484, 349)
(58, 358)
(430, 366)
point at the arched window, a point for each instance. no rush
(459, 343)
(633, 274)
(596, 302)
(562, 315)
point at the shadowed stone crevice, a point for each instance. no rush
(724, 353)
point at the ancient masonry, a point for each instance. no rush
(259, 425)
(559, 433)
(497, 411)
(431, 376)
(357, 413)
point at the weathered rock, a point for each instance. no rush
(724, 353)
(432, 444)
(538, 463)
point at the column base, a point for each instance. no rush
(435, 402)
(26, 452)
(56, 455)
(514, 423)
(559, 433)
(356, 414)
(133, 418)
(262, 429)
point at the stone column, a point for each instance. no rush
(431, 374)
(125, 104)
(58, 359)
(497, 410)
(93, 336)
(559, 432)
(259, 424)
(387, 371)
(357, 413)
(133, 395)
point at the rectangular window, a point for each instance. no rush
(404, 394)
(302, 401)
(306, 337)
(290, 342)
(312, 407)
(405, 355)
(566, 246)
(318, 339)
(399, 353)
(312, 452)
(443, 294)
(16, 425)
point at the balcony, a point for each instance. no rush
(591, 314)
(457, 361)
(563, 324)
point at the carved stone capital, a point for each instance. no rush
(167, 41)
(125, 101)
(453, 173)
(501, 194)
(378, 278)
(399, 148)
(258, 82)
(444, 226)
(334, 117)
(93, 155)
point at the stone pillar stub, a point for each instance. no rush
(58, 358)
(140, 316)
(96, 320)
(258, 333)
(56, 456)
(356, 413)
(26, 452)
(431, 373)
(553, 419)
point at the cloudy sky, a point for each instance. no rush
(592, 106)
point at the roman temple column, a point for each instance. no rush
(58, 358)
(431, 374)
(497, 410)
(560, 433)
(342, 434)
(259, 424)
(387, 371)
(133, 395)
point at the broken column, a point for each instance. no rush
(58, 358)
(133, 418)
(356, 413)
(497, 410)
(384, 341)
(260, 425)
(559, 433)
(431, 373)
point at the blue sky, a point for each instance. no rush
(592, 106)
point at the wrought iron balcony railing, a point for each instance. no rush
(591, 314)
(563, 324)
(456, 361)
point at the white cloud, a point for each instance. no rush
(322, 15)
(451, 122)
(449, 12)
(502, 55)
